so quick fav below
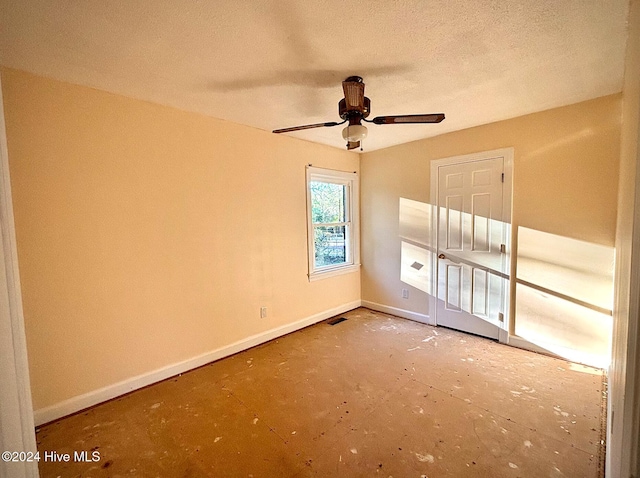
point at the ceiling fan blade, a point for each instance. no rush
(400, 119)
(307, 126)
(353, 145)
(353, 88)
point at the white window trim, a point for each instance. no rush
(352, 181)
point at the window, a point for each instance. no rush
(332, 218)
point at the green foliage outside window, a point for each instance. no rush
(328, 212)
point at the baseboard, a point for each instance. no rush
(81, 402)
(519, 342)
(405, 314)
(503, 336)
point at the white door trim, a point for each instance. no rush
(623, 413)
(17, 431)
(631, 412)
(507, 193)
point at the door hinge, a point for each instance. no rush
(500, 316)
(502, 177)
(503, 249)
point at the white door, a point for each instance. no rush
(470, 238)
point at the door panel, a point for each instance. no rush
(454, 223)
(454, 286)
(470, 233)
(481, 212)
(480, 295)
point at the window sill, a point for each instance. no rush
(325, 274)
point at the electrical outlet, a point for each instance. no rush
(405, 293)
(263, 312)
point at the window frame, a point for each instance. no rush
(352, 222)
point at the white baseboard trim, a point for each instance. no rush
(519, 342)
(405, 314)
(503, 336)
(81, 402)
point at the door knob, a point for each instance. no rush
(441, 256)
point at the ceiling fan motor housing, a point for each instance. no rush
(354, 103)
(362, 111)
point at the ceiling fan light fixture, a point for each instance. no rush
(355, 132)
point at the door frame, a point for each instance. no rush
(17, 430)
(506, 154)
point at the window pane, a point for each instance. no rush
(327, 202)
(330, 245)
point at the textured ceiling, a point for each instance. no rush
(278, 63)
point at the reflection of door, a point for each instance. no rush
(470, 235)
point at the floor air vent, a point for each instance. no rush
(336, 321)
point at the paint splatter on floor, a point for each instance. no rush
(425, 458)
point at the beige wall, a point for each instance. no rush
(624, 380)
(147, 235)
(565, 178)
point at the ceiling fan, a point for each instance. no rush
(355, 108)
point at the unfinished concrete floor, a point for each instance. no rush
(371, 396)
